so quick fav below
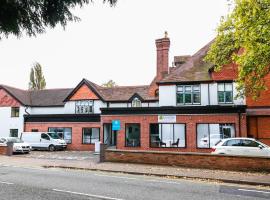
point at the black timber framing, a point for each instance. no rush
(63, 118)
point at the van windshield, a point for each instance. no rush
(54, 135)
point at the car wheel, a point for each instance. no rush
(51, 148)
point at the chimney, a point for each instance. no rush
(163, 46)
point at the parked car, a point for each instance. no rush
(19, 146)
(44, 140)
(241, 146)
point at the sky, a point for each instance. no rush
(115, 43)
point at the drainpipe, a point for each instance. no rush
(239, 123)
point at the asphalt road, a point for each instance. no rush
(24, 183)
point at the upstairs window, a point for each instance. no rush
(225, 93)
(84, 107)
(188, 94)
(13, 133)
(136, 102)
(15, 112)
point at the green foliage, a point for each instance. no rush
(37, 80)
(109, 84)
(33, 16)
(244, 38)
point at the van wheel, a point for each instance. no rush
(51, 148)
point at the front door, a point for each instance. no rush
(109, 136)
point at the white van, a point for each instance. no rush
(44, 140)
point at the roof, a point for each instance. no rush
(194, 69)
(38, 97)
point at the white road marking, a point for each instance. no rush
(7, 183)
(88, 195)
(258, 191)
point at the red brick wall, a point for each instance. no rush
(84, 93)
(76, 132)
(189, 120)
(3, 150)
(227, 72)
(7, 100)
(193, 160)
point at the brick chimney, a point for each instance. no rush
(163, 46)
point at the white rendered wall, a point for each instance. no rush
(167, 95)
(204, 95)
(7, 122)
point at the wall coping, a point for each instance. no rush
(185, 153)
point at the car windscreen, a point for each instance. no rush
(14, 140)
(54, 135)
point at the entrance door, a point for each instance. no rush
(109, 136)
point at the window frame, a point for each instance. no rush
(192, 93)
(126, 125)
(210, 134)
(78, 102)
(91, 134)
(15, 113)
(224, 93)
(63, 133)
(136, 100)
(12, 129)
(185, 135)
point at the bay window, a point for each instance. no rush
(225, 93)
(188, 94)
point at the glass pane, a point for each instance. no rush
(167, 134)
(202, 136)
(95, 135)
(215, 134)
(188, 88)
(228, 87)
(180, 88)
(187, 98)
(133, 135)
(221, 87)
(221, 97)
(250, 143)
(196, 88)
(196, 98)
(180, 98)
(233, 143)
(155, 135)
(179, 136)
(227, 130)
(86, 135)
(228, 97)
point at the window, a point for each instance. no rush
(45, 136)
(233, 143)
(132, 135)
(188, 94)
(136, 102)
(167, 135)
(13, 133)
(64, 133)
(34, 130)
(209, 135)
(250, 143)
(15, 111)
(84, 107)
(90, 135)
(225, 93)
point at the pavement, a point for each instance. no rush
(89, 161)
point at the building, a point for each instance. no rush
(187, 107)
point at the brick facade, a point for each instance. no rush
(84, 93)
(77, 127)
(6, 100)
(189, 120)
(228, 72)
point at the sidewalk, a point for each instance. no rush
(164, 171)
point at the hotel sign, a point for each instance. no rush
(166, 118)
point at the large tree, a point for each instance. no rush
(33, 16)
(244, 38)
(37, 79)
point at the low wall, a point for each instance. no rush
(192, 160)
(3, 150)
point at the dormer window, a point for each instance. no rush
(188, 94)
(84, 107)
(136, 102)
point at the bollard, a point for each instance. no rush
(102, 152)
(9, 148)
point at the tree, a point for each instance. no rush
(109, 84)
(37, 80)
(33, 16)
(244, 38)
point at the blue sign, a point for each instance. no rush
(116, 125)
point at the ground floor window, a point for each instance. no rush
(64, 133)
(209, 134)
(13, 133)
(133, 135)
(167, 135)
(90, 135)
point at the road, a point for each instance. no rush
(58, 184)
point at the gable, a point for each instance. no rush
(227, 72)
(6, 100)
(84, 92)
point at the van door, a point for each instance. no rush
(45, 141)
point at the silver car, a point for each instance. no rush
(18, 145)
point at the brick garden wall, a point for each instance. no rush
(192, 160)
(76, 132)
(3, 150)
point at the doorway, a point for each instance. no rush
(109, 136)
